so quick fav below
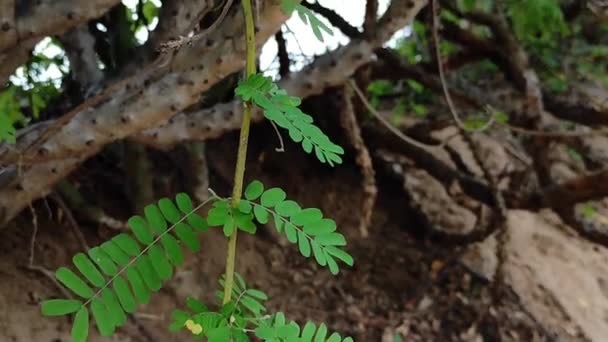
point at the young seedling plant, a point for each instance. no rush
(112, 279)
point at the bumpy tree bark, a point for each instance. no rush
(169, 85)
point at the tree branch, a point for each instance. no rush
(371, 14)
(35, 20)
(334, 18)
(284, 62)
(329, 70)
(79, 47)
(144, 103)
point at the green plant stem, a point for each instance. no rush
(239, 172)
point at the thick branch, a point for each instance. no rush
(143, 103)
(35, 20)
(156, 99)
(371, 14)
(329, 70)
(178, 18)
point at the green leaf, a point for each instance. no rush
(309, 331)
(88, 269)
(308, 17)
(501, 117)
(303, 244)
(140, 229)
(127, 244)
(295, 134)
(265, 332)
(174, 252)
(335, 337)
(291, 233)
(103, 318)
(278, 223)
(218, 215)
(574, 154)
(142, 295)
(332, 265)
(279, 319)
(198, 222)
(124, 295)
(253, 305)
(288, 208)
(340, 254)
(288, 331)
(60, 307)
(169, 210)
(160, 263)
(245, 207)
(331, 239)
(116, 254)
(229, 225)
(307, 216)
(288, 6)
(187, 237)
(155, 218)
(260, 214)
(321, 333)
(219, 334)
(178, 318)
(307, 145)
(7, 130)
(244, 222)
(70, 280)
(80, 327)
(256, 294)
(588, 210)
(196, 305)
(320, 155)
(324, 226)
(151, 279)
(117, 315)
(318, 253)
(272, 197)
(239, 284)
(150, 11)
(104, 262)
(184, 203)
(254, 190)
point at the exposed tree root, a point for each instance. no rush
(348, 121)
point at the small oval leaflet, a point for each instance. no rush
(254, 190)
(272, 197)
